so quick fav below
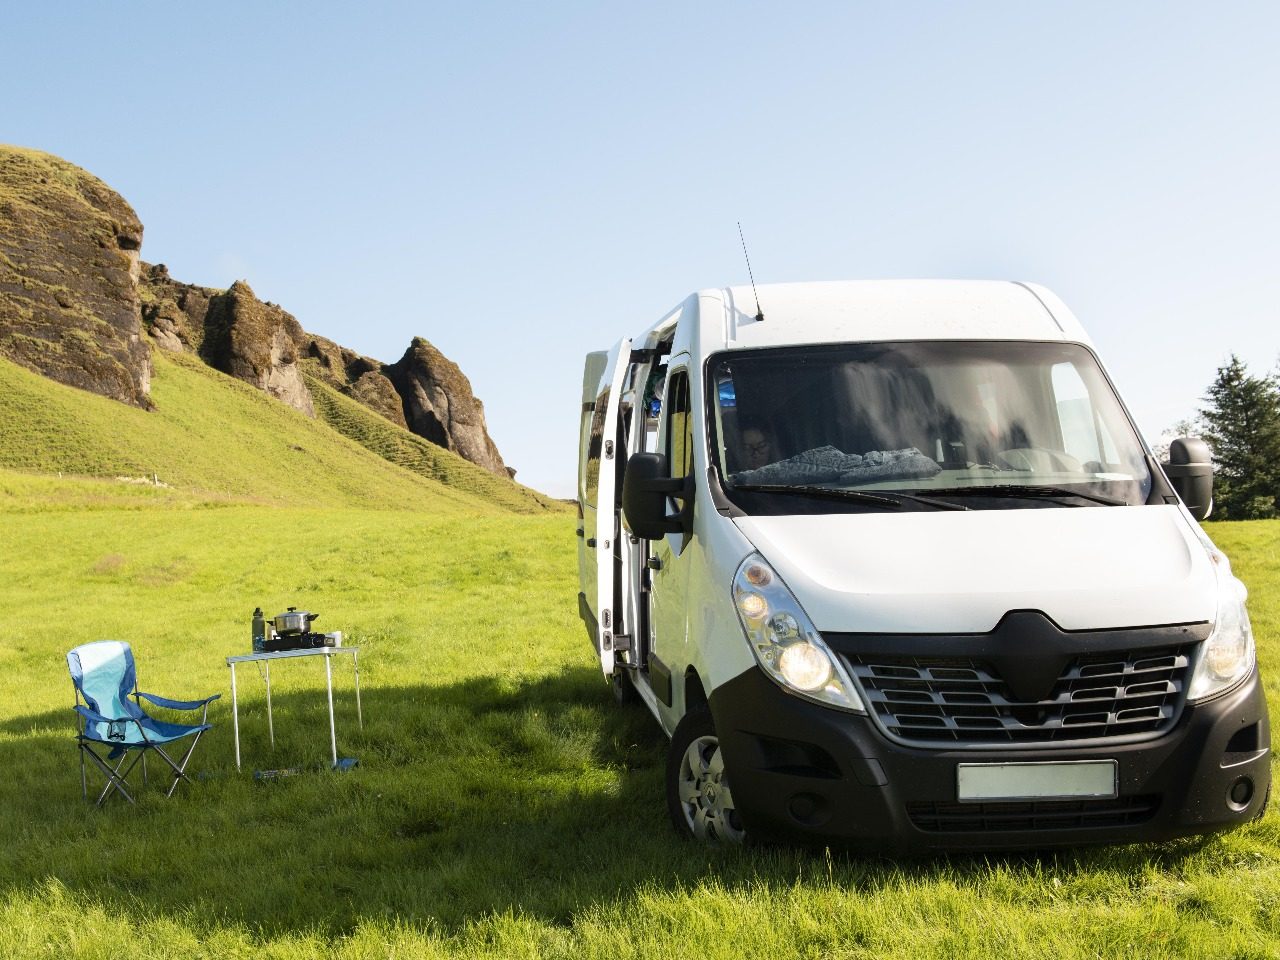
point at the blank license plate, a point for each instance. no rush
(1036, 781)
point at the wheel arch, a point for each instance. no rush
(694, 690)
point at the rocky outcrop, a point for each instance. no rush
(361, 378)
(439, 405)
(173, 313)
(256, 342)
(76, 301)
(68, 277)
(425, 392)
(378, 393)
(231, 330)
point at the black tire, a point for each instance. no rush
(699, 799)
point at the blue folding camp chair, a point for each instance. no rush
(105, 678)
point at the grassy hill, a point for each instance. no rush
(214, 436)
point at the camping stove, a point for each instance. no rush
(298, 641)
(290, 631)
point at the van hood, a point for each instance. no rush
(1087, 568)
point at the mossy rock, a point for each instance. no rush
(69, 306)
(440, 406)
(174, 312)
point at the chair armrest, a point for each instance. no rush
(94, 717)
(177, 704)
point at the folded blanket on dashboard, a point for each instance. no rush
(827, 464)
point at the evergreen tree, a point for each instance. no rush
(1182, 428)
(1242, 426)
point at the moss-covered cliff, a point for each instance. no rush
(68, 277)
(78, 305)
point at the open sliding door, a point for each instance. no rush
(608, 521)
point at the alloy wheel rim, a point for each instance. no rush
(705, 797)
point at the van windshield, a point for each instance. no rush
(974, 424)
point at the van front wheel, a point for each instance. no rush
(698, 795)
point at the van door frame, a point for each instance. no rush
(608, 525)
(667, 616)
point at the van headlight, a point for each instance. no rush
(1227, 656)
(785, 643)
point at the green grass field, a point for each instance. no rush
(503, 806)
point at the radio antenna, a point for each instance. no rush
(759, 312)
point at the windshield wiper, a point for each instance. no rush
(1019, 490)
(887, 499)
(807, 490)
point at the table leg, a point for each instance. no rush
(355, 658)
(271, 726)
(333, 733)
(235, 712)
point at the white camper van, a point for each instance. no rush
(890, 564)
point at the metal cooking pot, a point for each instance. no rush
(294, 622)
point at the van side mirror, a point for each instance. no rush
(645, 488)
(1190, 470)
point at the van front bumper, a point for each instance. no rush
(805, 771)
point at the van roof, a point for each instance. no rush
(867, 310)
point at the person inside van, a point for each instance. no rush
(756, 449)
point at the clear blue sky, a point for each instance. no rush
(521, 183)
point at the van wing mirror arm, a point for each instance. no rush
(670, 486)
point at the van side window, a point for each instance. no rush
(584, 440)
(679, 426)
(595, 441)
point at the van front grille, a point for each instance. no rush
(953, 817)
(960, 700)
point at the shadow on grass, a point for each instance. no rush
(539, 797)
(479, 796)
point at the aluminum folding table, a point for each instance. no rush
(265, 658)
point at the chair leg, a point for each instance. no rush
(179, 769)
(115, 780)
(120, 778)
(116, 777)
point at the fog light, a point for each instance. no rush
(802, 806)
(1241, 793)
(808, 809)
